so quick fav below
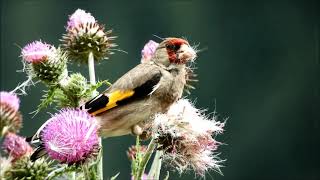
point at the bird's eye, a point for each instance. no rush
(173, 47)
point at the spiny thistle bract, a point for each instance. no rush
(24, 169)
(77, 88)
(10, 117)
(45, 62)
(5, 165)
(73, 90)
(84, 35)
(53, 70)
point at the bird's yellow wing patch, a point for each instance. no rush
(113, 98)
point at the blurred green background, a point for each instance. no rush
(260, 69)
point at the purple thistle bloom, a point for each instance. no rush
(148, 51)
(10, 99)
(70, 136)
(36, 52)
(79, 17)
(16, 146)
(85, 35)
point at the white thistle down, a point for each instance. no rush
(184, 133)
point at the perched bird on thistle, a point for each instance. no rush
(147, 89)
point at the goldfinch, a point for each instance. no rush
(149, 88)
(130, 104)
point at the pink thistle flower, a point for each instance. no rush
(79, 17)
(10, 117)
(36, 52)
(84, 36)
(70, 136)
(148, 51)
(185, 136)
(16, 146)
(10, 99)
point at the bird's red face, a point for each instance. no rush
(178, 50)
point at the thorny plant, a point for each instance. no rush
(70, 147)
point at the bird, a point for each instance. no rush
(131, 102)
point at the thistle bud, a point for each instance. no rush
(10, 117)
(16, 146)
(148, 51)
(45, 62)
(85, 35)
(77, 85)
(75, 89)
(26, 169)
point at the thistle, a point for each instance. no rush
(184, 134)
(148, 51)
(10, 117)
(45, 62)
(69, 137)
(77, 88)
(73, 90)
(84, 35)
(26, 169)
(16, 146)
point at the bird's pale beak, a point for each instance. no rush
(186, 53)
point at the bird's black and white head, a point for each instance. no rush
(174, 51)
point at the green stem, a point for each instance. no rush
(146, 158)
(60, 171)
(155, 169)
(92, 74)
(92, 77)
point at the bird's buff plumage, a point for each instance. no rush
(147, 89)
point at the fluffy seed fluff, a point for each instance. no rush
(70, 136)
(16, 146)
(10, 117)
(84, 35)
(148, 51)
(185, 135)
